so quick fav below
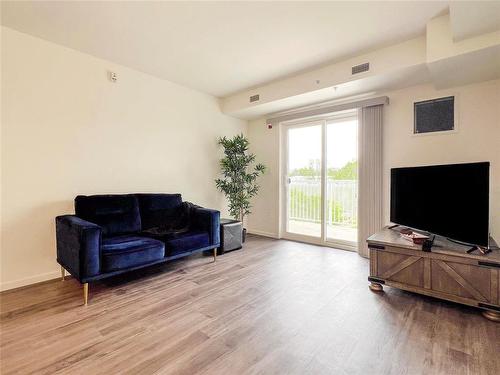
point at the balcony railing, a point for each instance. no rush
(341, 200)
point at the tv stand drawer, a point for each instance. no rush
(465, 280)
(401, 268)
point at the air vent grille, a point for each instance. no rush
(360, 68)
(254, 98)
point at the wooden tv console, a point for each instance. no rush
(447, 272)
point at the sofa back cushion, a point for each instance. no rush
(116, 214)
(158, 210)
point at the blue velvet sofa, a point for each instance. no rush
(113, 234)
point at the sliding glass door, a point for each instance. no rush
(320, 180)
(342, 180)
(303, 179)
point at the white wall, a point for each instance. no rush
(477, 139)
(265, 143)
(67, 130)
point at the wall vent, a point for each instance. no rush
(254, 98)
(360, 68)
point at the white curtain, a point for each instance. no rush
(370, 175)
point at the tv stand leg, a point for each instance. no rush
(375, 287)
(491, 315)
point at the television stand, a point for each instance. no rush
(447, 272)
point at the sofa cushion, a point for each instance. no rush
(186, 242)
(123, 252)
(158, 210)
(116, 214)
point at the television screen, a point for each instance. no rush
(448, 200)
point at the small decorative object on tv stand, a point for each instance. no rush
(416, 238)
(448, 272)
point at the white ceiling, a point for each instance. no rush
(221, 47)
(469, 19)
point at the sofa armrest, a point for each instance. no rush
(78, 246)
(207, 220)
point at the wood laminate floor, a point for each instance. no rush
(276, 307)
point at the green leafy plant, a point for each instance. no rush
(239, 175)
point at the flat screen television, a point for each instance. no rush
(448, 200)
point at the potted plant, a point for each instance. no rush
(239, 176)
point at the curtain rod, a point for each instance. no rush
(381, 100)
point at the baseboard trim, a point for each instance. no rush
(14, 284)
(262, 233)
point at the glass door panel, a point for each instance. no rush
(303, 180)
(342, 180)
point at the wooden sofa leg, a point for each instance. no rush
(85, 293)
(63, 273)
(215, 255)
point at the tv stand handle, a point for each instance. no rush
(376, 247)
(488, 264)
